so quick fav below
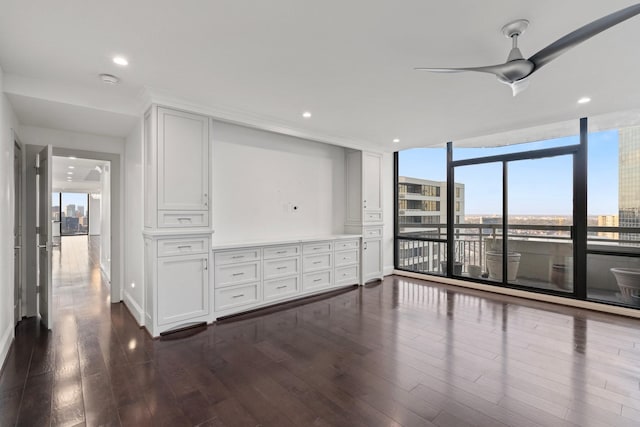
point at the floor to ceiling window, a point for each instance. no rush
(535, 194)
(613, 252)
(70, 213)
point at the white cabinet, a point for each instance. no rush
(247, 278)
(365, 210)
(372, 262)
(176, 281)
(364, 188)
(177, 218)
(183, 288)
(177, 169)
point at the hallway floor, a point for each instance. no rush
(400, 352)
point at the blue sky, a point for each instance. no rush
(536, 187)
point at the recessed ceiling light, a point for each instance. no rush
(109, 79)
(396, 140)
(120, 60)
(72, 167)
(306, 114)
(72, 158)
(584, 100)
(69, 173)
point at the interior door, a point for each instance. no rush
(45, 236)
(17, 234)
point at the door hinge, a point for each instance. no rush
(37, 230)
(37, 170)
(38, 289)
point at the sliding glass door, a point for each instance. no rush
(540, 223)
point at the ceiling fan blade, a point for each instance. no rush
(508, 72)
(583, 33)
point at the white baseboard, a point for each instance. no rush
(388, 270)
(5, 344)
(134, 308)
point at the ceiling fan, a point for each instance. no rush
(516, 70)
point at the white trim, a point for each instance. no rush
(5, 343)
(388, 270)
(589, 305)
(134, 308)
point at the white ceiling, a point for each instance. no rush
(348, 62)
(85, 177)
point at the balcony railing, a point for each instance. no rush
(425, 249)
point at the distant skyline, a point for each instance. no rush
(536, 187)
(78, 199)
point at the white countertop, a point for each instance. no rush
(233, 245)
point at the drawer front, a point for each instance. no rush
(375, 216)
(280, 267)
(317, 248)
(281, 251)
(347, 275)
(170, 247)
(372, 232)
(237, 296)
(346, 257)
(280, 288)
(316, 262)
(235, 257)
(342, 245)
(318, 280)
(235, 274)
(173, 219)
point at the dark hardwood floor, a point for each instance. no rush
(401, 352)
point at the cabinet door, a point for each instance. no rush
(372, 260)
(183, 160)
(372, 181)
(183, 288)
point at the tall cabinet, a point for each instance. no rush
(364, 209)
(177, 218)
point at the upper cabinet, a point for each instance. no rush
(364, 187)
(177, 172)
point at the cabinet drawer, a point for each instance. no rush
(342, 245)
(346, 258)
(280, 267)
(347, 275)
(316, 262)
(173, 219)
(373, 216)
(235, 274)
(281, 251)
(170, 247)
(318, 280)
(237, 296)
(280, 288)
(372, 232)
(316, 248)
(234, 257)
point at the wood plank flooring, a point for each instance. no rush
(401, 352)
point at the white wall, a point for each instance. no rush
(388, 202)
(257, 174)
(67, 139)
(105, 221)
(133, 224)
(94, 216)
(8, 122)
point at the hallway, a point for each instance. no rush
(401, 352)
